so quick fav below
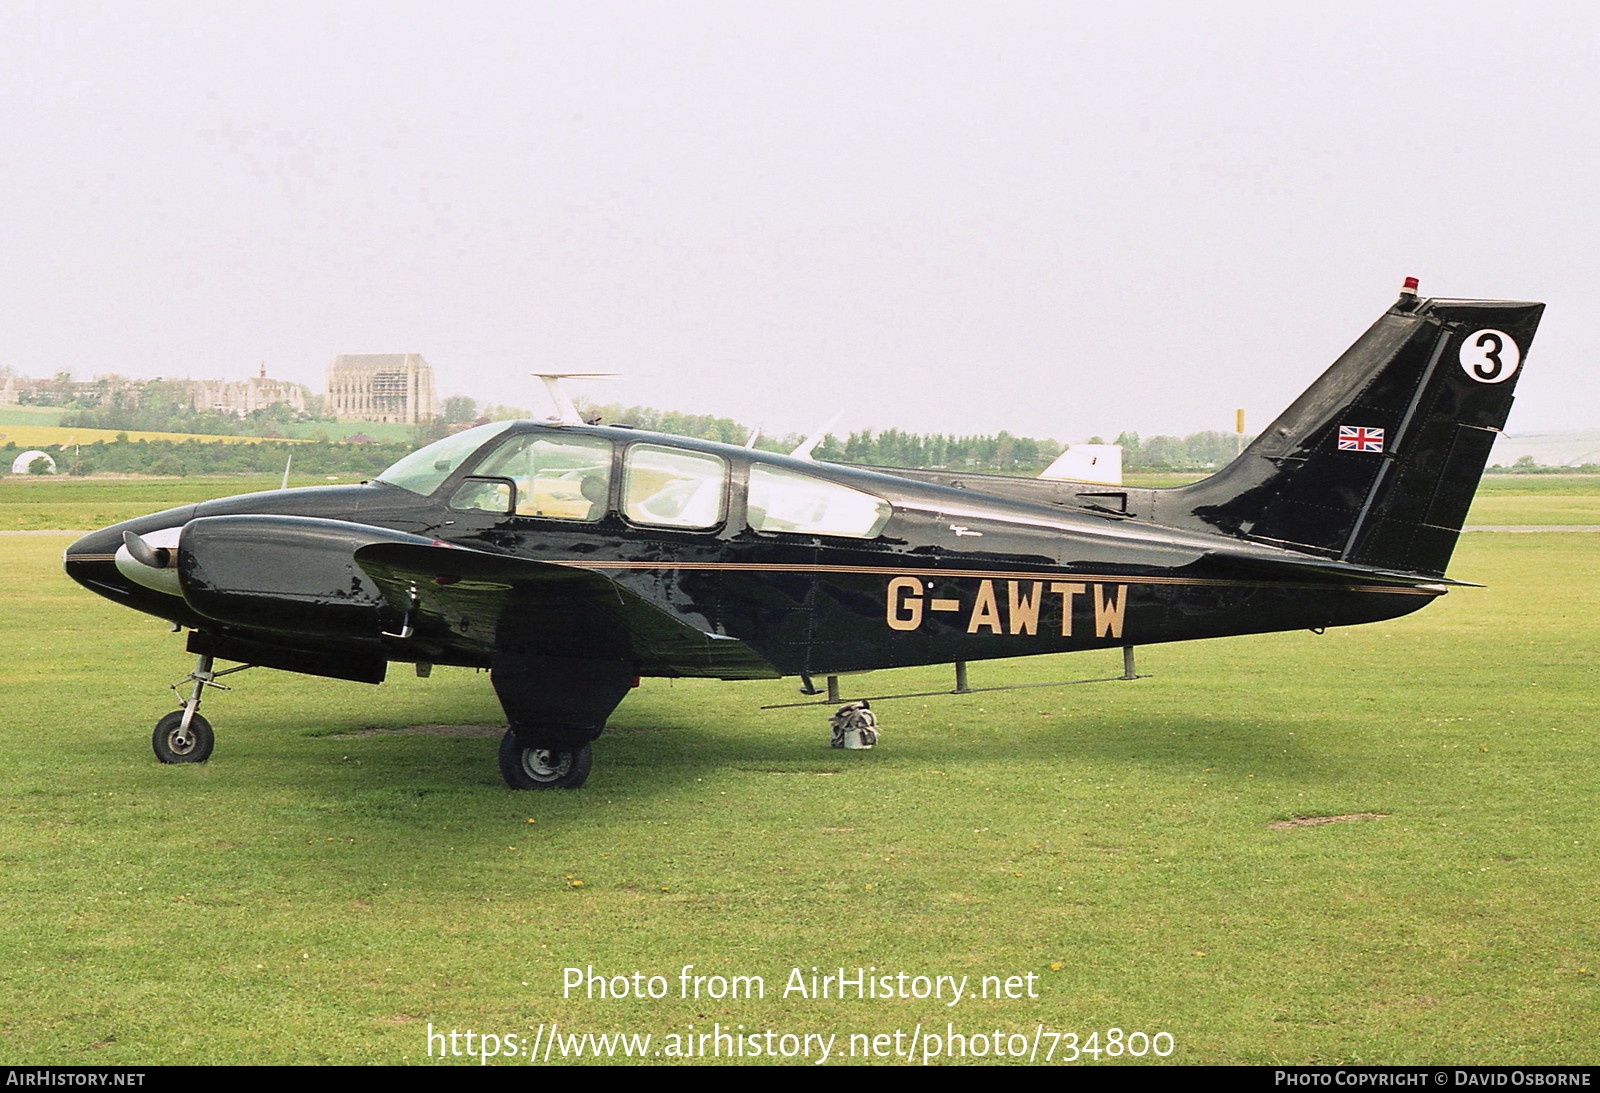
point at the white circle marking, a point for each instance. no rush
(1489, 356)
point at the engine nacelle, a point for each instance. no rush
(284, 573)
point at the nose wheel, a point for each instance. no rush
(177, 742)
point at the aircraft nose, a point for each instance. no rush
(103, 561)
(91, 553)
(91, 561)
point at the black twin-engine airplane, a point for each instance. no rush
(571, 559)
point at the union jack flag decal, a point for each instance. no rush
(1359, 438)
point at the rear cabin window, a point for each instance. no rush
(557, 477)
(785, 500)
(673, 488)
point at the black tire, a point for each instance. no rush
(525, 767)
(172, 746)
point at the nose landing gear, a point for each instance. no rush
(183, 736)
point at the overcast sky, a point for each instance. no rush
(1058, 218)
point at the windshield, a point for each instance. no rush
(423, 470)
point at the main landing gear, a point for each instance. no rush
(183, 736)
(556, 706)
(524, 766)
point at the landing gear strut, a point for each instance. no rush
(183, 736)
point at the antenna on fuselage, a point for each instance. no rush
(566, 412)
(803, 451)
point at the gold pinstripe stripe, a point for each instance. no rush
(883, 571)
(991, 574)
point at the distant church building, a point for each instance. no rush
(389, 387)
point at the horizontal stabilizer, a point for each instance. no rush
(1331, 571)
(1100, 464)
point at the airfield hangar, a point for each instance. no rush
(389, 387)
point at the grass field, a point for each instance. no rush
(1501, 498)
(345, 873)
(34, 502)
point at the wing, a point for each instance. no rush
(469, 600)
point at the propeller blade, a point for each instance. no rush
(145, 554)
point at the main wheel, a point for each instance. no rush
(173, 745)
(525, 767)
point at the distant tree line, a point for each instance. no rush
(723, 430)
(1197, 451)
(263, 422)
(1000, 453)
(886, 448)
(1525, 465)
(159, 405)
(119, 403)
(193, 457)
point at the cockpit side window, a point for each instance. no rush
(785, 500)
(671, 487)
(558, 477)
(426, 468)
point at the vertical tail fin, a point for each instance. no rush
(1376, 463)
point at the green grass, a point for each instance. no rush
(29, 415)
(1537, 499)
(311, 895)
(1501, 498)
(37, 502)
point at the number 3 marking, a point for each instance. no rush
(1490, 356)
